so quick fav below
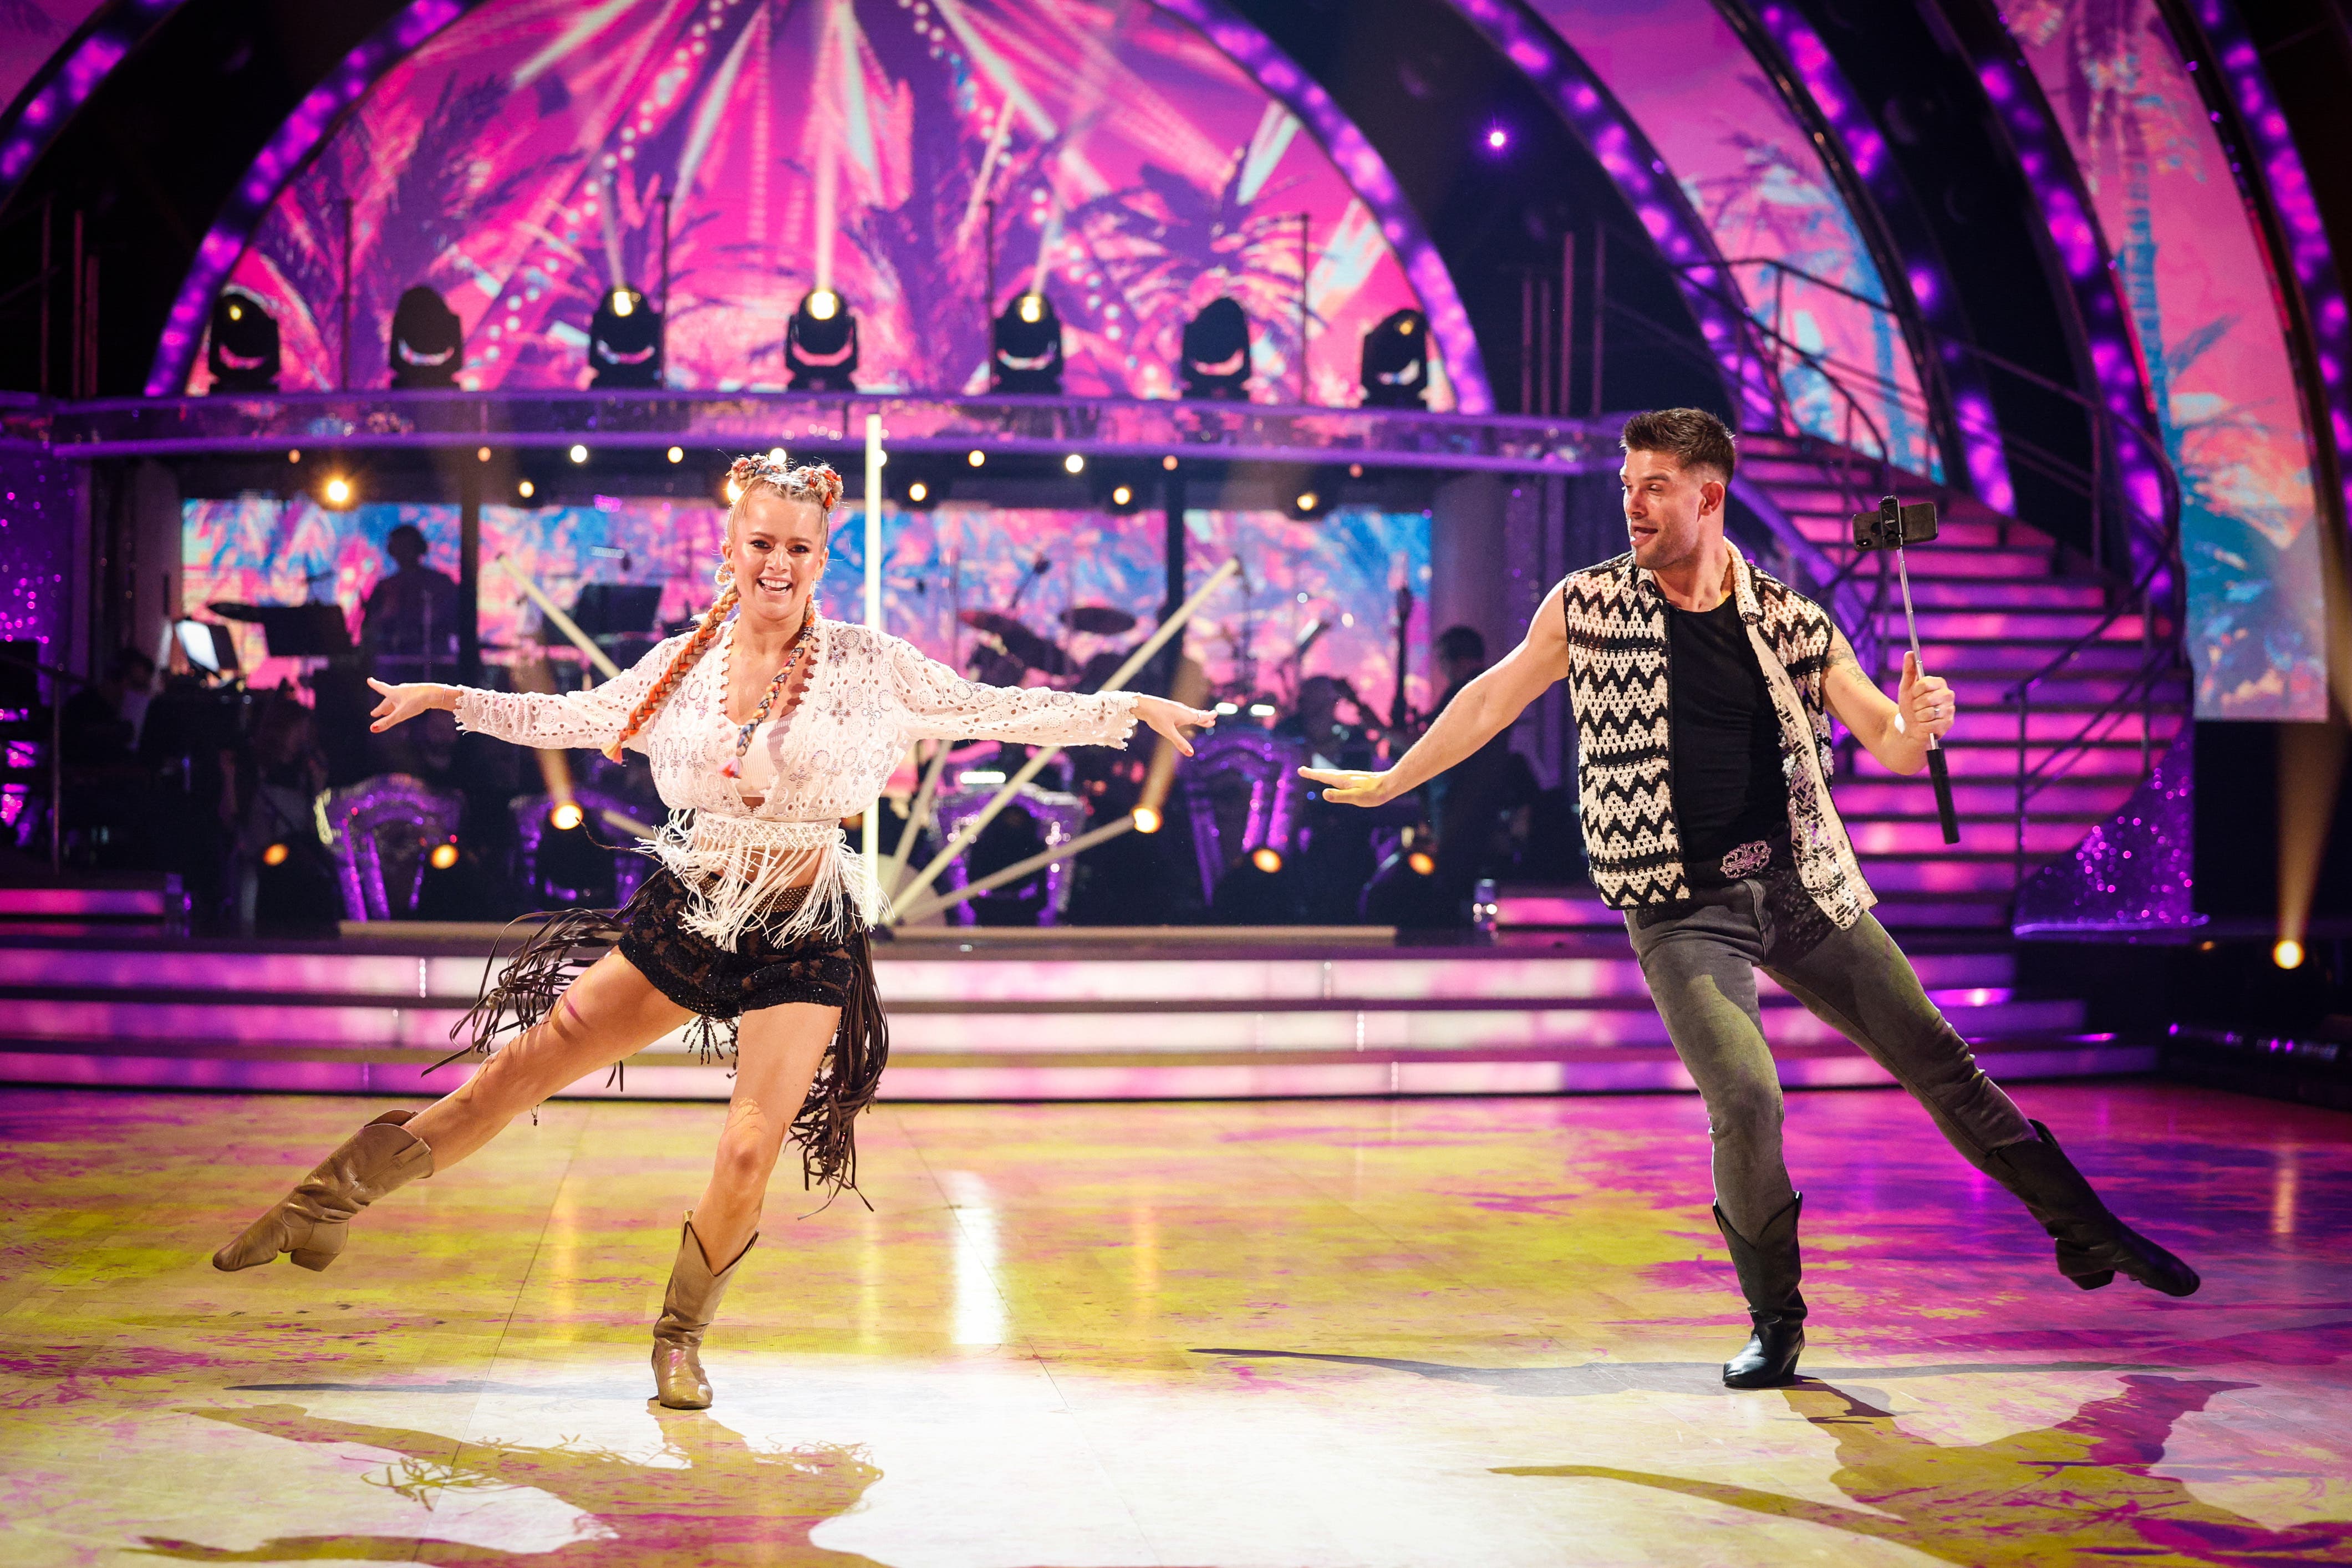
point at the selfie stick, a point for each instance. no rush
(1888, 522)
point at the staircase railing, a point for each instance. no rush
(2164, 577)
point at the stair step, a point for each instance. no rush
(2044, 835)
(2020, 595)
(2070, 799)
(1997, 759)
(2022, 656)
(2007, 622)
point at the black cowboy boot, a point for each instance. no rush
(1768, 1270)
(2094, 1246)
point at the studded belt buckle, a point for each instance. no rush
(1746, 860)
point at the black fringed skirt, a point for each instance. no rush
(718, 985)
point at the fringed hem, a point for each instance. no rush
(790, 881)
(846, 1081)
(527, 990)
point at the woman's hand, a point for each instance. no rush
(1171, 719)
(1348, 787)
(402, 703)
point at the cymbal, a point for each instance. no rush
(1019, 641)
(1099, 619)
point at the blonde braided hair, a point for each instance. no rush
(810, 482)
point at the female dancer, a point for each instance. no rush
(756, 917)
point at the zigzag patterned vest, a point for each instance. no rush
(1617, 686)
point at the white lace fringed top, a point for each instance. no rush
(869, 695)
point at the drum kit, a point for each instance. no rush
(1008, 649)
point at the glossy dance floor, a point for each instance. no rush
(1301, 1333)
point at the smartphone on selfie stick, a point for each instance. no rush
(1891, 526)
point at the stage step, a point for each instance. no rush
(1130, 1015)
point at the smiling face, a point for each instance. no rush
(1671, 511)
(777, 545)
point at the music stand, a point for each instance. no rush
(209, 647)
(305, 631)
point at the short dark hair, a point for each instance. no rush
(1462, 642)
(1692, 437)
(406, 533)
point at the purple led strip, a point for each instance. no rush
(73, 76)
(296, 140)
(1657, 200)
(1834, 99)
(2265, 129)
(1368, 175)
(2049, 171)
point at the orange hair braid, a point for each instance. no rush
(681, 664)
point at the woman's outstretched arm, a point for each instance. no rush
(943, 706)
(548, 720)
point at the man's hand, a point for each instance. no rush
(402, 703)
(1171, 719)
(1347, 786)
(1926, 702)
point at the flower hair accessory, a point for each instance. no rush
(811, 482)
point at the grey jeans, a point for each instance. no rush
(1700, 961)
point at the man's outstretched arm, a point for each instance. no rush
(1484, 710)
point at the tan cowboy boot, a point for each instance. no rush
(688, 1307)
(309, 1222)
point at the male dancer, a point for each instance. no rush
(1703, 690)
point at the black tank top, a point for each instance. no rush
(1727, 785)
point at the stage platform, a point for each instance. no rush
(1255, 1335)
(1556, 1005)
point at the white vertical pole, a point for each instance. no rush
(872, 836)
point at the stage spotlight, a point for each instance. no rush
(337, 492)
(1498, 139)
(295, 455)
(566, 816)
(444, 856)
(429, 345)
(1075, 463)
(1120, 488)
(624, 341)
(821, 344)
(276, 854)
(776, 456)
(1312, 496)
(1423, 866)
(976, 459)
(243, 355)
(676, 454)
(1146, 819)
(1216, 352)
(526, 490)
(919, 484)
(2288, 954)
(579, 454)
(1396, 362)
(1168, 462)
(1266, 859)
(1026, 348)
(481, 453)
